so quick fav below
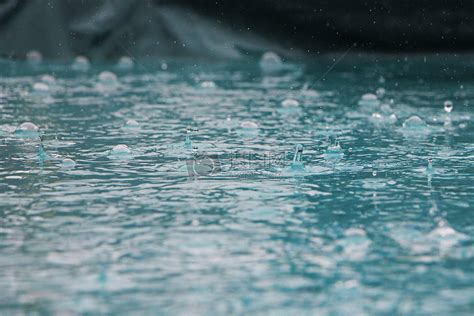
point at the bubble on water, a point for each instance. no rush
(374, 173)
(34, 57)
(369, 100)
(40, 88)
(386, 108)
(208, 85)
(380, 92)
(120, 150)
(392, 182)
(448, 106)
(48, 79)
(68, 163)
(290, 103)
(414, 123)
(125, 63)
(27, 130)
(248, 129)
(132, 123)
(81, 63)
(381, 79)
(270, 62)
(164, 66)
(108, 78)
(248, 125)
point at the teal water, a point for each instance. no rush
(232, 221)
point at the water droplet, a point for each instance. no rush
(164, 66)
(374, 173)
(81, 63)
(125, 63)
(334, 151)
(448, 106)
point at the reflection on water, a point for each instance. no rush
(108, 202)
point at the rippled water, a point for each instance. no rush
(225, 223)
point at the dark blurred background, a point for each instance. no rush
(217, 29)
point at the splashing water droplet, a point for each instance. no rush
(448, 106)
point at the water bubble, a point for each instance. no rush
(414, 123)
(270, 62)
(369, 100)
(448, 106)
(380, 92)
(108, 78)
(34, 57)
(248, 128)
(208, 85)
(374, 173)
(290, 103)
(120, 150)
(40, 88)
(132, 123)
(48, 79)
(125, 63)
(164, 66)
(81, 63)
(68, 163)
(27, 130)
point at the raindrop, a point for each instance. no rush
(40, 88)
(120, 150)
(27, 130)
(107, 78)
(380, 92)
